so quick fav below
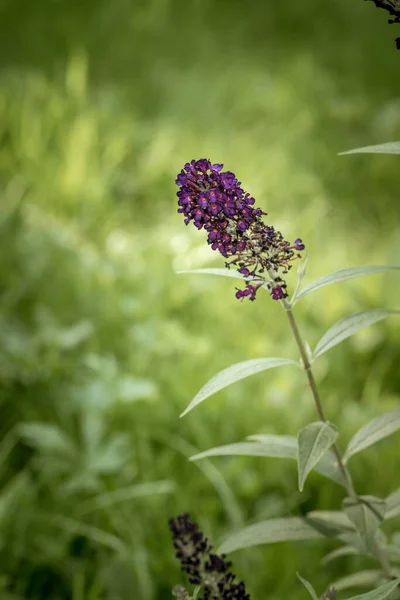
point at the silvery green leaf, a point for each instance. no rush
(373, 432)
(348, 326)
(343, 275)
(388, 148)
(235, 373)
(380, 593)
(313, 441)
(281, 446)
(364, 578)
(393, 505)
(326, 466)
(278, 446)
(270, 532)
(366, 513)
(338, 553)
(308, 587)
(210, 271)
(336, 519)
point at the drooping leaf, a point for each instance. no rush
(235, 373)
(278, 446)
(313, 441)
(393, 505)
(338, 553)
(308, 587)
(210, 271)
(373, 432)
(382, 592)
(366, 513)
(348, 326)
(366, 578)
(326, 466)
(270, 532)
(388, 148)
(343, 275)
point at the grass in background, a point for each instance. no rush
(103, 345)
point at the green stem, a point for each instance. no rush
(320, 409)
(315, 393)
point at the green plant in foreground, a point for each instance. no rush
(214, 200)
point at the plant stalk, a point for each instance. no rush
(320, 409)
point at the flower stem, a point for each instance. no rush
(320, 409)
(314, 390)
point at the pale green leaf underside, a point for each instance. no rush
(313, 441)
(232, 273)
(235, 373)
(334, 519)
(393, 505)
(338, 553)
(365, 520)
(373, 432)
(308, 587)
(366, 578)
(380, 593)
(388, 148)
(270, 532)
(343, 275)
(275, 446)
(346, 327)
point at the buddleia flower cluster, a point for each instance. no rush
(213, 200)
(205, 569)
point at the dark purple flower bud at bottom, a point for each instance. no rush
(209, 570)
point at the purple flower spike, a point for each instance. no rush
(213, 199)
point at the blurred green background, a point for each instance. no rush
(102, 344)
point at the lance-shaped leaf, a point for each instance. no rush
(388, 148)
(373, 432)
(338, 553)
(343, 275)
(277, 446)
(232, 273)
(366, 513)
(366, 578)
(236, 373)
(382, 592)
(313, 441)
(392, 505)
(271, 532)
(308, 587)
(348, 326)
(335, 519)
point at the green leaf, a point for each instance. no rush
(47, 438)
(380, 593)
(236, 373)
(373, 432)
(343, 275)
(388, 148)
(221, 272)
(326, 466)
(308, 587)
(281, 447)
(313, 441)
(270, 532)
(366, 513)
(393, 505)
(364, 578)
(338, 553)
(335, 519)
(348, 326)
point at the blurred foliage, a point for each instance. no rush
(102, 345)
